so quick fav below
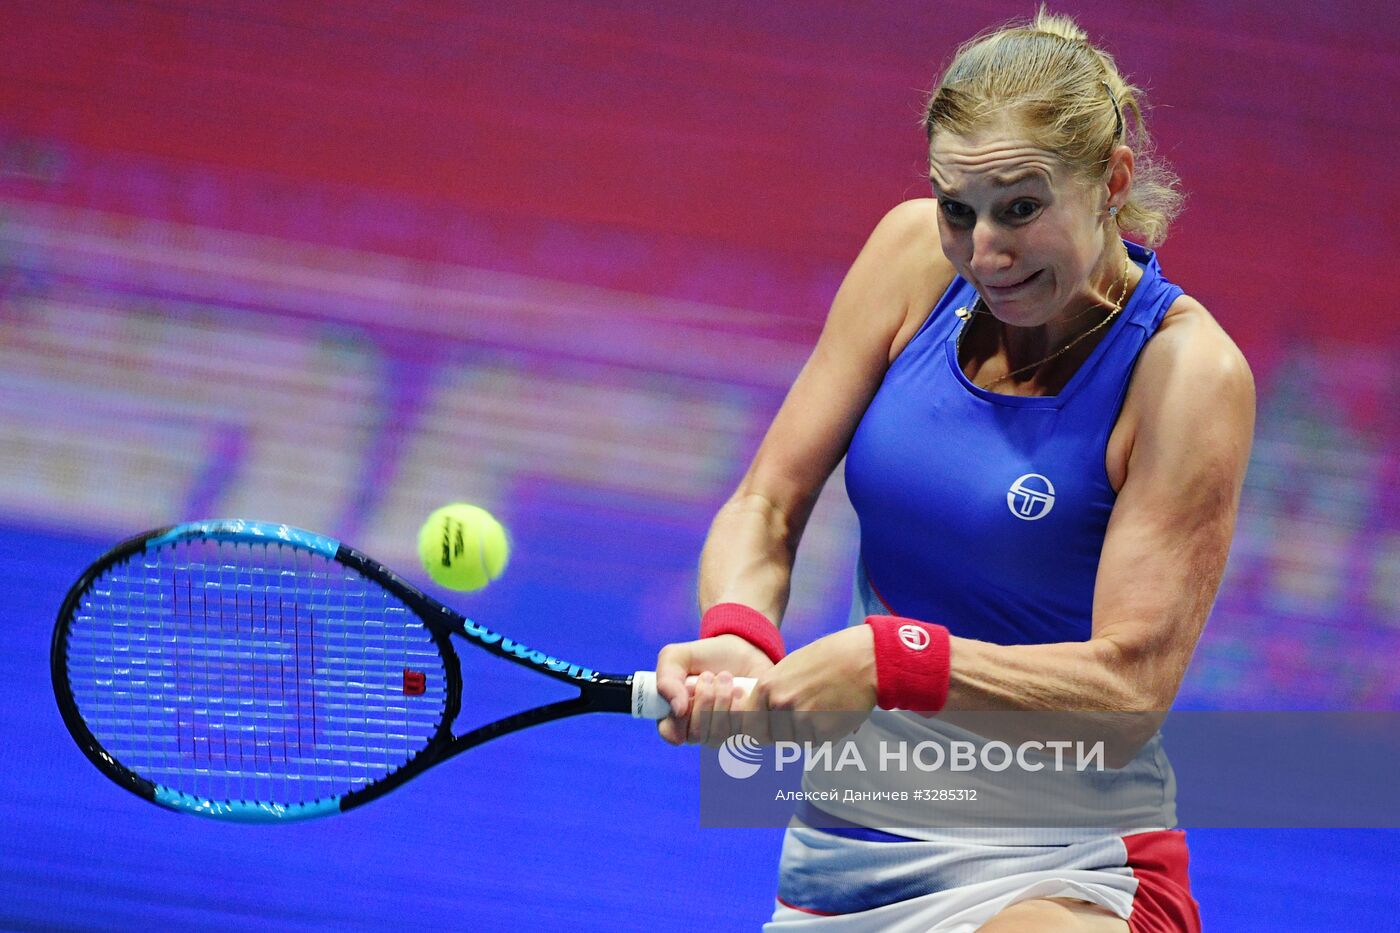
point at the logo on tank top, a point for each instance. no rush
(1031, 497)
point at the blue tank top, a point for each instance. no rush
(985, 512)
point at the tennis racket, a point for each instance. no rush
(256, 672)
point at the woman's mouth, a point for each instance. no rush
(1008, 290)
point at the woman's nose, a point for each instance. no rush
(990, 253)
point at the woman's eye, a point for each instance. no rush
(1023, 210)
(958, 213)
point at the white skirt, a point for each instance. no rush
(854, 881)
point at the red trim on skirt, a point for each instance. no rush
(806, 910)
(1163, 903)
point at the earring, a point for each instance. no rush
(1113, 211)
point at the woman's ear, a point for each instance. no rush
(1120, 178)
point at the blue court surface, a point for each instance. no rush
(587, 824)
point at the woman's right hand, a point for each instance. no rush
(700, 714)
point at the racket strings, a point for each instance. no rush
(251, 672)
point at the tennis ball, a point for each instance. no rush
(463, 547)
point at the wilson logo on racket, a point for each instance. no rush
(485, 636)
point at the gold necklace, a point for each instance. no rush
(966, 314)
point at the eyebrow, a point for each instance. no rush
(1001, 181)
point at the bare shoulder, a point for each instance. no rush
(906, 241)
(1191, 396)
(901, 270)
(1191, 357)
(1190, 406)
(913, 222)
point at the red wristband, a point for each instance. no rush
(911, 664)
(749, 624)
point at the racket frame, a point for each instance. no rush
(598, 692)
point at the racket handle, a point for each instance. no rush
(648, 704)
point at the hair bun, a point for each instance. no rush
(1058, 25)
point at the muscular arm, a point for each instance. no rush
(1187, 425)
(749, 553)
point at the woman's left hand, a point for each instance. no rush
(819, 692)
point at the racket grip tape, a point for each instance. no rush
(648, 704)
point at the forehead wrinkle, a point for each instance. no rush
(1003, 171)
(1007, 164)
(1016, 177)
(1002, 161)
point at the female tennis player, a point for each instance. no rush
(1045, 442)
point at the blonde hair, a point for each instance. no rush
(1070, 96)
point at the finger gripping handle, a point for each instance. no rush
(648, 704)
